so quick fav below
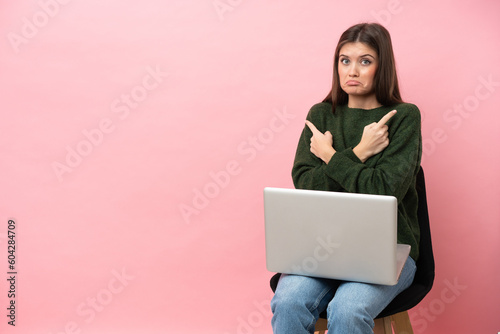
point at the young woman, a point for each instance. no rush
(361, 139)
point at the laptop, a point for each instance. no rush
(335, 235)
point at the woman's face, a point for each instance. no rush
(357, 66)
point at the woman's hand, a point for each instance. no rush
(375, 138)
(321, 144)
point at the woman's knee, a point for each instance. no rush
(288, 302)
(298, 294)
(285, 299)
(347, 314)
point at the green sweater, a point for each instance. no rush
(391, 172)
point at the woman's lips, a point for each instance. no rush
(353, 83)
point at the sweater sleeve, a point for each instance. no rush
(310, 172)
(391, 171)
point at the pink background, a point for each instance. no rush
(137, 136)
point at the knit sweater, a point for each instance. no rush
(390, 172)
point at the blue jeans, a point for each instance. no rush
(351, 306)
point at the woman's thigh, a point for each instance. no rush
(298, 302)
(370, 298)
(309, 291)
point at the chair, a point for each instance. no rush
(395, 315)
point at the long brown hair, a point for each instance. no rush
(385, 81)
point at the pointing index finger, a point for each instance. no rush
(387, 117)
(312, 128)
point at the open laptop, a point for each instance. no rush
(337, 235)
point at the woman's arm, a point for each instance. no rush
(309, 171)
(375, 138)
(394, 169)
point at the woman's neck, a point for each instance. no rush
(363, 102)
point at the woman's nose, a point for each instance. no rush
(353, 71)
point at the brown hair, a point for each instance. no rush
(386, 81)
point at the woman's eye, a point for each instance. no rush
(344, 61)
(365, 62)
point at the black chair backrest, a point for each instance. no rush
(424, 277)
(425, 264)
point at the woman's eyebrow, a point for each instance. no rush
(367, 55)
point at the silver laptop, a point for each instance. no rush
(335, 235)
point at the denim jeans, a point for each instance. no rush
(351, 306)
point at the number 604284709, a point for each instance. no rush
(12, 244)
